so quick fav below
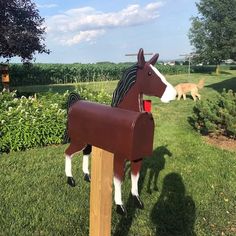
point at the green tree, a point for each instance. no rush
(21, 30)
(213, 31)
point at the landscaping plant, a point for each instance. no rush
(217, 116)
(39, 120)
(29, 122)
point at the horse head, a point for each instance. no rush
(150, 81)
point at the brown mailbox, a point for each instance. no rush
(116, 130)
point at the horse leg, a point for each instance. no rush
(86, 154)
(119, 170)
(69, 152)
(135, 170)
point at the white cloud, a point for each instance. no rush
(52, 5)
(154, 5)
(85, 24)
(82, 36)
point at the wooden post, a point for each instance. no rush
(101, 192)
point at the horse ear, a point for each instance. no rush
(153, 60)
(141, 60)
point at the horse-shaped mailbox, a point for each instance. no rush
(123, 128)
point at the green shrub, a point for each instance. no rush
(216, 116)
(95, 96)
(38, 120)
(29, 122)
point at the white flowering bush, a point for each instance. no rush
(29, 122)
(37, 121)
(97, 96)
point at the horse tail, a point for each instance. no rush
(73, 98)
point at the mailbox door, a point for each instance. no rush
(143, 137)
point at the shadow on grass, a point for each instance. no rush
(225, 72)
(227, 84)
(174, 212)
(153, 165)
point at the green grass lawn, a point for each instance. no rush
(61, 88)
(188, 186)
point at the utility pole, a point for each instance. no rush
(189, 56)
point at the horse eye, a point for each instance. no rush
(149, 73)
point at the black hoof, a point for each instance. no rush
(71, 181)
(121, 210)
(87, 178)
(138, 202)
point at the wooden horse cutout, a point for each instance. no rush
(141, 78)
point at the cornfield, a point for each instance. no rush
(41, 74)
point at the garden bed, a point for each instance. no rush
(221, 142)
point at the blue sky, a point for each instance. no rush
(92, 31)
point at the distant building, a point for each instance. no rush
(170, 63)
(229, 61)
